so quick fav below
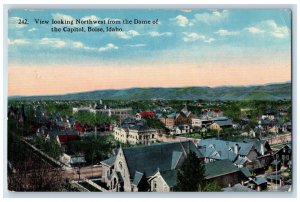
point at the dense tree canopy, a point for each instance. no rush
(191, 174)
(89, 118)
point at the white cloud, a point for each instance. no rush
(80, 45)
(32, 29)
(192, 36)
(214, 16)
(209, 40)
(186, 10)
(53, 42)
(254, 30)
(13, 22)
(127, 35)
(181, 20)
(157, 34)
(277, 31)
(90, 17)
(188, 37)
(108, 47)
(137, 45)
(224, 32)
(18, 42)
(271, 28)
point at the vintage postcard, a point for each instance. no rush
(149, 100)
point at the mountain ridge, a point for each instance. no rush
(275, 91)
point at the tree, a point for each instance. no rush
(191, 174)
(154, 123)
(85, 117)
(211, 187)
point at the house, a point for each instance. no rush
(211, 113)
(288, 126)
(134, 168)
(181, 117)
(214, 150)
(284, 154)
(135, 134)
(168, 120)
(220, 123)
(223, 172)
(63, 136)
(238, 188)
(163, 181)
(253, 154)
(184, 116)
(269, 113)
(258, 183)
(183, 129)
(144, 115)
(73, 159)
(196, 122)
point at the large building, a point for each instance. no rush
(182, 117)
(135, 134)
(122, 113)
(133, 168)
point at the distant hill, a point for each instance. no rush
(262, 92)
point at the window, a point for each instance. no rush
(120, 165)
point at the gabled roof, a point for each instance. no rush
(238, 188)
(170, 177)
(246, 172)
(257, 145)
(224, 148)
(109, 161)
(147, 114)
(219, 168)
(240, 161)
(227, 122)
(137, 178)
(147, 159)
(288, 146)
(67, 138)
(175, 158)
(140, 127)
(77, 160)
(259, 180)
(172, 115)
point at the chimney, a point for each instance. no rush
(236, 149)
(262, 149)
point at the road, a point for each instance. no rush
(85, 172)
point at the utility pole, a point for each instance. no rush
(276, 171)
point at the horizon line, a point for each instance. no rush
(110, 89)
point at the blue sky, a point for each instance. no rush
(186, 48)
(181, 35)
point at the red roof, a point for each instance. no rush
(216, 110)
(67, 138)
(147, 114)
